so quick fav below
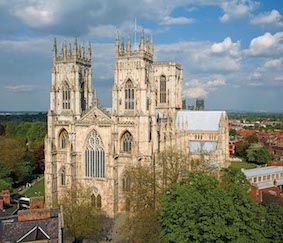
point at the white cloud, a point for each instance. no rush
(266, 45)
(196, 88)
(273, 18)
(226, 46)
(197, 55)
(196, 92)
(275, 63)
(103, 31)
(34, 13)
(32, 45)
(19, 88)
(168, 20)
(237, 9)
(216, 83)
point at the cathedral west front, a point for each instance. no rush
(91, 146)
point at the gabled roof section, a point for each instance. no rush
(96, 115)
(199, 120)
(36, 233)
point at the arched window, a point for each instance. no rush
(129, 95)
(94, 157)
(66, 97)
(63, 139)
(98, 201)
(93, 200)
(127, 140)
(63, 177)
(162, 89)
(83, 100)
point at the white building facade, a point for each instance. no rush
(90, 146)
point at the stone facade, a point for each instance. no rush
(90, 146)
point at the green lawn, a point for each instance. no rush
(241, 164)
(36, 190)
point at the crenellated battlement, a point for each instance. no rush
(144, 50)
(72, 53)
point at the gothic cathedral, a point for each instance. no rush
(91, 146)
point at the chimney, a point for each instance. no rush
(1, 203)
(36, 202)
(33, 214)
(6, 197)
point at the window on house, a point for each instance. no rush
(94, 157)
(254, 179)
(264, 178)
(63, 139)
(66, 93)
(259, 178)
(162, 89)
(268, 177)
(127, 140)
(129, 95)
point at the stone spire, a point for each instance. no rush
(64, 50)
(75, 51)
(141, 47)
(129, 45)
(54, 50)
(83, 51)
(70, 50)
(122, 47)
(89, 51)
(117, 44)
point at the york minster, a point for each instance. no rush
(93, 146)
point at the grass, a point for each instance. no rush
(36, 190)
(241, 164)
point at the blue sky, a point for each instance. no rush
(231, 51)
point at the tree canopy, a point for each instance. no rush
(258, 154)
(200, 209)
(81, 217)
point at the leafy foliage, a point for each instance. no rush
(21, 152)
(258, 154)
(273, 223)
(252, 138)
(232, 132)
(82, 219)
(202, 209)
(241, 149)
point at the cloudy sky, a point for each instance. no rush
(231, 51)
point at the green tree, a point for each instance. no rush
(249, 214)
(241, 149)
(258, 154)
(5, 180)
(200, 209)
(142, 196)
(273, 229)
(36, 132)
(197, 210)
(253, 138)
(2, 130)
(232, 132)
(81, 217)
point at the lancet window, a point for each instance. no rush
(66, 97)
(127, 140)
(62, 177)
(162, 89)
(63, 139)
(129, 95)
